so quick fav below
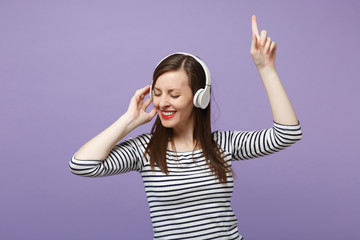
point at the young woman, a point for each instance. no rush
(186, 168)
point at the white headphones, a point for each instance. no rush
(202, 96)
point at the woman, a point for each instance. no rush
(187, 169)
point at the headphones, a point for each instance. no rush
(202, 96)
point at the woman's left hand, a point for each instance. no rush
(263, 49)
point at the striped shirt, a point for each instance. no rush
(189, 202)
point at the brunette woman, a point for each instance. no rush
(187, 168)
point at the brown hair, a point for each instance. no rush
(202, 127)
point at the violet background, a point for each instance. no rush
(69, 68)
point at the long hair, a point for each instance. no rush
(202, 135)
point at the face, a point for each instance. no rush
(173, 100)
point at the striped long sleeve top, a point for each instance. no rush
(189, 202)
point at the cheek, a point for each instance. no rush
(188, 107)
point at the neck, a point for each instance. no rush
(183, 139)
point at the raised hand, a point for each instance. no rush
(263, 49)
(137, 108)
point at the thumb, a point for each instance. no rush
(152, 114)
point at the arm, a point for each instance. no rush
(286, 130)
(124, 157)
(252, 144)
(263, 51)
(100, 146)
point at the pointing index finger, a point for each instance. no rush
(254, 26)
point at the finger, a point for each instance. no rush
(147, 89)
(267, 45)
(254, 26)
(146, 104)
(263, 36)
(253, 47)
(143, 91)
(273, 47)
(140, 94)
(136, 98)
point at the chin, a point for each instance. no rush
(166, 123)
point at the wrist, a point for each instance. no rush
(268, 74)
(127, 121)
(266, 69)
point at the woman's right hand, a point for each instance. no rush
(137, 108)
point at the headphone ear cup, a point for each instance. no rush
(197, 98)
(151, 93)
(205, 97)
(202, 98)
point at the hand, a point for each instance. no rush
(263, 50)
(137, 108)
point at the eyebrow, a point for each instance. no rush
(171, 90)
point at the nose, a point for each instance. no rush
(163, 101)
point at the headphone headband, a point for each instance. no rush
(206, 69)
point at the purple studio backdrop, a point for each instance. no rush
(69, 68)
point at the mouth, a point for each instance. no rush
(167, 114)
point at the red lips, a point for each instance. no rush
(167, 114)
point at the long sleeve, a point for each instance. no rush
(125, 156)
(252, 144)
